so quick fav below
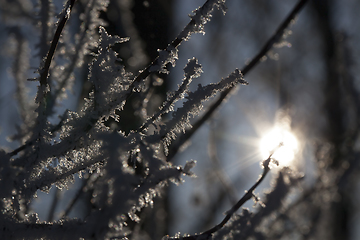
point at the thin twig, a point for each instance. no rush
(248, 195)
(45, 70)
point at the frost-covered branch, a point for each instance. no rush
(215, 105)
(196, 25)
(192, 70)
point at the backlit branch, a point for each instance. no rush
(214, 106)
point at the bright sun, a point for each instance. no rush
(271, 141)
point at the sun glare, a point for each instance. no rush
(271, 143)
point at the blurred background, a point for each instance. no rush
(307, 86)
